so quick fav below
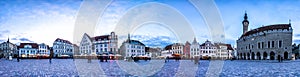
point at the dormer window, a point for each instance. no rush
(27, 46)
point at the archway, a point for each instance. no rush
(258, 56)
(272, 55)
(286, 55)
(240, 56)
(248, 56)
(265, 55)
(253, 56)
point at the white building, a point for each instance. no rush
(28, 50)
(8, 49)
(224, 51)
(43, 49)
(132, 48)
(99, 44)
(195, 48)
(177, 48)
(208, 49)
(62, 47)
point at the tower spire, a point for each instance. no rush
(8, 39)
(128, 37)
(245, 23)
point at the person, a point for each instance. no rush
(18, 59)
(89, 59)
(196, 60)
(166, 60)
(50, 60)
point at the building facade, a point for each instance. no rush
(208, 49)
(186, 50)
(8, 49)
(224, 51)
(132, 48)
(195, 48)
(105, 44)
(28, 50)
(265, 43)
(43, 49)
(62, 47)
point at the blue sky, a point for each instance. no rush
(43, 21)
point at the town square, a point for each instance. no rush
(149, 38)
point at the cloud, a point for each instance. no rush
(154, 41)
(297, 41)
(25, 40)
(297, 35)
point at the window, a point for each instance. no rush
(272, 44)
(262, 44)
(258, 45)
(280, 44)
(268, 44)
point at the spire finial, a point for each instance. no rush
(245, 17)
(289, 21)
(8, 39)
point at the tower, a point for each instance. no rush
(245, 23)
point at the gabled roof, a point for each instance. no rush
(62, 40)
(136, 42)
(33, 45)
(98, 38)
(168, 47)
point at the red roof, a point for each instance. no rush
(98, 38)
(265, 28)
(33, 45)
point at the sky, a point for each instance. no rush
(42, 21)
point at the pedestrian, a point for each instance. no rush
(89, 59)
(18, 59)
(50, 60)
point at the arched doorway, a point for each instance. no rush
(286, 55)
(240, 56)
(253, 56)
(272, 55)
(244, 56)
(265, 55)
(258, 56)
(248, 56)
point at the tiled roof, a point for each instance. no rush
(33, 45)
(62, 40)
(269, 27)
(135, 42)
(98, 38)
(168, 47)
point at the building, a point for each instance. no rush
(186, 49)
(177, 48)
(265, 43)
(62, 47)
(167, 51)
(28, 50)
(132, 48)
(76, 49)
(224, 51)
(208, 50)
(296, 50)
(43, 50)
(105, 44)
(153, 52)
(195, 48)
(8, 49)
